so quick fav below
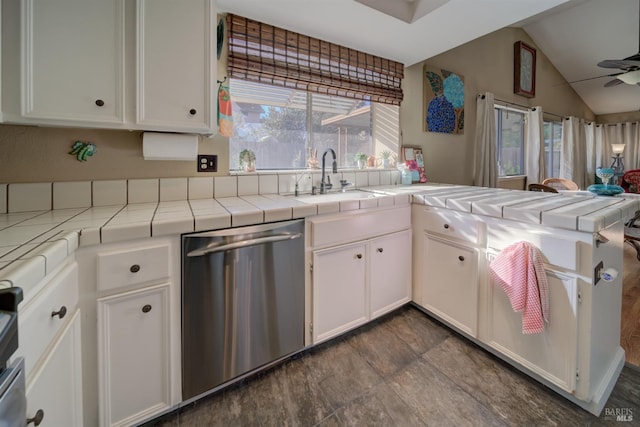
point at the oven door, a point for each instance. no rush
(13, 401)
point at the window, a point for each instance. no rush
(284, 127)
(294, 96)
(552, 147)
(510, 141)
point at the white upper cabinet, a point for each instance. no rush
(114, 64)
(72, 61)
(175, 65)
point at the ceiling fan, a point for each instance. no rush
(630, 67)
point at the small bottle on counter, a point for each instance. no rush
(406, 175)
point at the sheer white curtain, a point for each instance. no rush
(534, 145)
(573, 159)
(485, 172)
(592, 151)
(632, 148)
(619, 133)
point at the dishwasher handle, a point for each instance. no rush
(243, 244)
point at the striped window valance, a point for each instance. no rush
(267, 54)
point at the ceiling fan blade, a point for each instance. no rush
(594, 78)
(621, 64)
(635, 57)
(614, 82)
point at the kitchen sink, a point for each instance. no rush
(338, 196)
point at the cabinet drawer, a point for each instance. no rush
(132, 267)
(452, 225)
(556, 249)
(333, 229)
(38, 325)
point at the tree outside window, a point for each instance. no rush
(284, 127)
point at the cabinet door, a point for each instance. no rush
(56, 388)
(390, 272)
(73, 60)
(450, 283)
(551, 354)
(339, 290)
(175, 66)
(133, 355)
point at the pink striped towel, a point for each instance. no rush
(519, 271)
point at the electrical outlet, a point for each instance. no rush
(597, 272)
(207, 163)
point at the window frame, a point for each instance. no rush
(383, 124)
(550, 165)
(500, 137)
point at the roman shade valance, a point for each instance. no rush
(267, 54)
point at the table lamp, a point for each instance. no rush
(617, 163)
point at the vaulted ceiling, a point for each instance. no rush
(574, 34)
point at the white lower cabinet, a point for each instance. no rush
(578, 354)
(358, 274)
(54, 392)
(552, 354)
(390, 272)
(339, 290)
(450, 282)
(133, 349)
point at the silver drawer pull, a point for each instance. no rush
(37, 419)
(213, 248)
(134, 268)
(146, 308)
(60, 313)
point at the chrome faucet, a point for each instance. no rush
(324, 186)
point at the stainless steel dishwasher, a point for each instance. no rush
(242, 301)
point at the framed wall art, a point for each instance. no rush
(524, 70)
(443, 101)
(414, 161)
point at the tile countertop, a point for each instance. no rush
(33, 244)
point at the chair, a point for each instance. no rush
(541, 187)
(631, 181)
(632, 233)
(561, 184)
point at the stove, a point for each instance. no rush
(13, 402)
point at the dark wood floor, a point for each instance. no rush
(403, 370)
(630, 325)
